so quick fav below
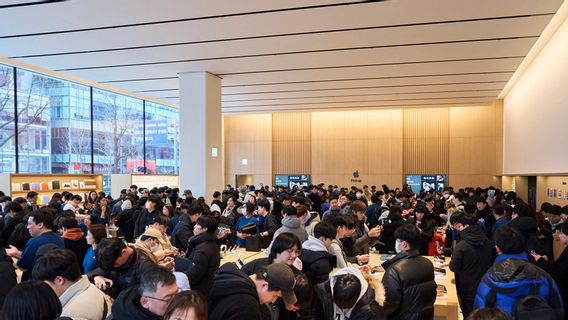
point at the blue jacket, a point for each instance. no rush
(513, 277)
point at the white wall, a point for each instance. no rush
(536, 113)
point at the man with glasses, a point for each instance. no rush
(150, 299)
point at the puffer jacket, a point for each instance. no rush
(316, 260)
(410, 286)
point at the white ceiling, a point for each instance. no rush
(285, 55)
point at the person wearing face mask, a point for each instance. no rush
(149, 213)
(409, 279)
(148, 243)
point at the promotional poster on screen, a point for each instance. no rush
(292, 180)
(430, 182)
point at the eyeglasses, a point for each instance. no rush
(167, 300)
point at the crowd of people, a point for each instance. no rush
(156, 254)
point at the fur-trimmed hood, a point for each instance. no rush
(366, 281)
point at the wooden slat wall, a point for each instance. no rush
(369, 142)
(426, 140)
(248, 137)
(476, 144)
(291, 143)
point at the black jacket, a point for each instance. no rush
(252, 267)
(125, 223)
(126, 275)
(7, 275)
(534, 240)
(10, 226)
(426, 234)
(270, 225)
(387, 238)
(557, 269)
(317, 265)
(471, 258)
(204, 259)
(233, 296)
(410, 286)
(140, 225)
(182, 233)
(365, 309)
(127, 306)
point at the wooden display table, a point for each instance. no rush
(443, 308)
(241, 253)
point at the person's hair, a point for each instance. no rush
(108, 250)
(325, 230)
(564, 228)
(343, 221)
(171, 210)
(283, 242)
(408, 233)
(162, 220)
(13, 206)
(467, 219)
(304, 291)
(509, 240)
(195, 209)
(188, 300)
(216, 194)
(499, 209)
(481, 200)
(545, 206)
(376, 198)
(98, 231)
(94, 218)
(264, 203)
(43, 216)
(250, 207)
(154, 277)
(208, 223)
(346, 290)
(31, 300)
(153, 199)
(76, 197)
(523, 210)
(183, 206)
(488, 314)
(358, 206)
(68, 223)
(67, 195)
(58, 262)
(455, 217)
(31, 194)
(290, 211)
(301, 210)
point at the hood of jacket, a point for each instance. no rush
(127, 306)
(73, 234)
(313, 217)
(314, 244)
(526, 225)
(512, 270)
(349, 270)
(229, 281)
(291, 222)
(474, 236)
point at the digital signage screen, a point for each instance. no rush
(292, 180)
(426, 182)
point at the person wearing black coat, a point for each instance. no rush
(122, 264)
(471, 258)
(203, 256)
(425, 226)
(184, 229)
(409, 279)
(557, 269)
(146, 216)
(316, 260)
(7, 275)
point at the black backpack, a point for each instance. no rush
(533, 307)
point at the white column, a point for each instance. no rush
(200, 132)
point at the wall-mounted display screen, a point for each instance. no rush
(291, 180)
(426, 182)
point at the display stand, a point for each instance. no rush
(18, 185)
(149, 181)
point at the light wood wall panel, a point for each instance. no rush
(366, 142)
(426, 141)
(291, 144)
(248, 137)
(476, 144)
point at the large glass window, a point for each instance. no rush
(117, 146)
(7, 127)
(162, 139)
(54, 128)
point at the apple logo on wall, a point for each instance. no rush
(356, 177)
